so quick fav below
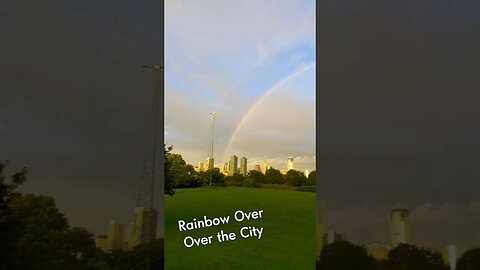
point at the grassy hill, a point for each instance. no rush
(288, 222)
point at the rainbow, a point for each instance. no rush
(259, 101)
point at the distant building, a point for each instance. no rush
(332, 237)
(307, 172)
(117, 237)
(118, 233)
(142, 230)
(379, 252)
(209, 164)
(283, 171)
(257, 168)
(451, 255)
(224, 168)
(243, 166)
(399, 227)
(290, 165)
(233, 165)
(200, 167)
(102, 243)
(264, 166)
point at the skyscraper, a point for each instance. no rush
(451, 255)
(243, 166)
(399, 227)
(209, 163)
(332, 237)
(144, 220)
(224, 168)
(264, 165)
(290, 165)
(233, 165)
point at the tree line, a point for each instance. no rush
(343, 255)
(179, 174)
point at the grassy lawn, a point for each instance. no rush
(288, 222)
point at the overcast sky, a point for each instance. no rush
(250, 60)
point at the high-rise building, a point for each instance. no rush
(224, 168)
(116, 237)
(143, 232)
(118, 234)
(331, 237)
(451, 255)
(233, 165)
(290, 165)
(264, 165)
(307, 171)
(257, 168)
(200, 167)
(399, 227)
(243, 166)
(209, 164)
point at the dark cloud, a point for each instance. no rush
(397, 108)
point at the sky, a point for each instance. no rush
(252, 61)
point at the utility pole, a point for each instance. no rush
(145, 221)
(211, 160)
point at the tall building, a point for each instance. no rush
(331, 237)
(399, 227)
(307, 171)
(143, 232)
(264, 165)
(451, 255)
(209, 164)
(290, 165)
(118, 234)
(116, 237)
(257, 168)
(224, 168)
(243, 166)
(200, 167)
(233, 165)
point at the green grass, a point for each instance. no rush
(288, 239)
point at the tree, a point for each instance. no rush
(343, 255)
(273, 176)
(257, 176)
(295, 178)
(312, 179)
(408, 257)
(78, 242)
(7, 223)
(234, 180)
(213, 176)
(178, 171)
(38, 233)
(470, 260)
